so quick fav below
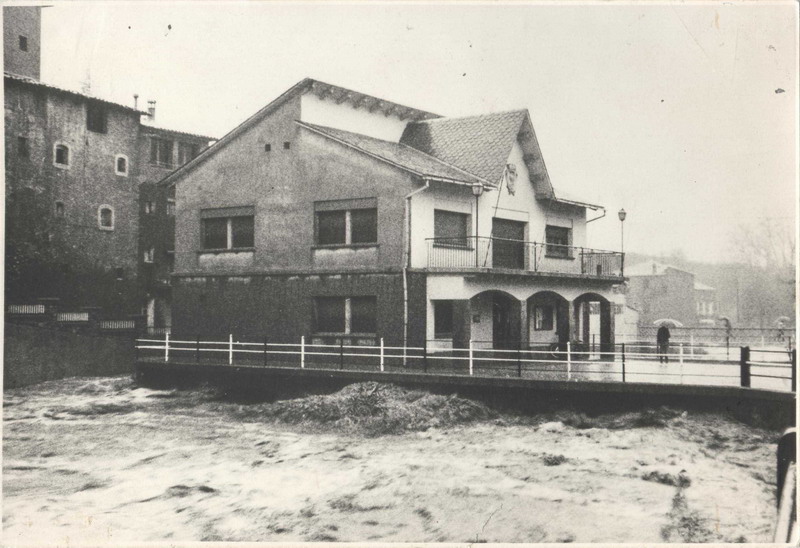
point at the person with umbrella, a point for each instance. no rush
(662, 340)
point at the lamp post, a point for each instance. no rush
(622, 214)
(477, 190)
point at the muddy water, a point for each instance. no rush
(100, 460)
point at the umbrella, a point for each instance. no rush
(783, 321)
(668, 322)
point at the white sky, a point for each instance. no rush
(669, 111)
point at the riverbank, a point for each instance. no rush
(100, 460)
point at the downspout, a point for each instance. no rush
(599, 217)
(407, 259)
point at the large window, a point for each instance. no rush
(96, 117)
(161, 152)
(345, 315)
(558, 241)
(346, 222)
(443, 319)
(186, 152)
(229, 228)
(451, 228)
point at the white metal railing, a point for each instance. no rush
(113, 325)
(570, 361)
(25, 309)
(72, 317)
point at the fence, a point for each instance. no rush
(737, 336)
(624, 363)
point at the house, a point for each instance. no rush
(74, 168)
(661, 291)
(343, 217)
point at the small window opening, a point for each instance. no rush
(267, 147)
(23, 150)
(149, 207)
(121, 165)
(62, 155)
(96, 117)
(286, 145)
(60, 210)
(119, 273)
(23, 43)
(105, 218)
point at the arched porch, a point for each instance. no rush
(593, 336)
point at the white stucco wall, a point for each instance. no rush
(520, 206)
(325, 112)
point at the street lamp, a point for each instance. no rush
(477, 190)
(622, 214)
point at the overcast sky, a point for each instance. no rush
(671, 111)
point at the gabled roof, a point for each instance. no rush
(479, 144)
(321, 89)
(397, 154)
(148, 129)
(37, 83)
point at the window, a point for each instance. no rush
(121, 165)
(96, 117)
(451, 228)
(149, 254)
(59, 210)
(443, 319)
(186, 152)
(23, 43)
(119, 273)
(543, 317)
(619, 309)
(23, 150)
(160, 152)
(105, 217)
(558, 241)
(267, 147)
(357, 225)
(286, 145)
(231, 231)
(345, 314)
(61, 155)
(149, 207)
(171, 208)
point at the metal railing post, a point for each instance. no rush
(744, 366)
(794, 370)
(680, 359)
(470, 357)
(266, 343)
(691, 344)
(425, 355)
(569, 360)
(341, 353)
(230, 349)
(302, 351)
(382, 366)
(623, 362)
(136, 350)
(519, 359)
(166, 347)
(197, 351)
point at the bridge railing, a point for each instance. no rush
(571, 361)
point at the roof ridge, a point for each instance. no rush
(416, 150)
(349, 90)
(456, 118)
(322, 130)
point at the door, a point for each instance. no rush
(502, 326)
(509, 243)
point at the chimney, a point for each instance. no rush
(151, 110)
(135, 101)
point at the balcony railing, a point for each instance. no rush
(463, 252)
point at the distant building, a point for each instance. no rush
(664, 292)
(74, 165)
(705, 298)
(340, 216)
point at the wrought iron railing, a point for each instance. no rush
(485, 252)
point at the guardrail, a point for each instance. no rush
(486, 252)
(570, 361)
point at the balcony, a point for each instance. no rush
(500, 253)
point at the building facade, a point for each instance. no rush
(340, 216)
(75, 165)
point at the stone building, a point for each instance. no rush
(341, 216)
(74, 167)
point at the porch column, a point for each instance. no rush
(572, 314)
(524, 327)
(585, 336)
(462, 323)
(606, 327)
